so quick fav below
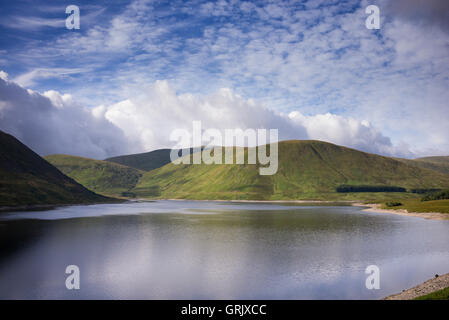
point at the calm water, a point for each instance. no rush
(213, 250)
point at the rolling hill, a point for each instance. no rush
(27, 179)
(436, 159)
(102, 177)
(307, 170)
(440, 164)
(145, 161)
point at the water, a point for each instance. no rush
(216, 250)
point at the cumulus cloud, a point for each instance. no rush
(423, 12)
(3, 75)
(152, 116)
(348, 132)
(316, 57)
(53, 123)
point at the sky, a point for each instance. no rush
(136, 70)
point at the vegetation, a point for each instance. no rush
(27, 179)
(307, 170)
(348, 188)
(103, 177)
(437, 196)
(437, 159)
(416, 205)
(393, 204)
(439, 164)
(424, 191)
(145, 161)
(442, 294)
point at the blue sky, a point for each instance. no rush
(310, 68)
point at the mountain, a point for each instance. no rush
(145, 161)
(440, 164)
(437, 159)
(307, 170)
(27, 179)
(102, 177)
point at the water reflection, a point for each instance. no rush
(213, 250)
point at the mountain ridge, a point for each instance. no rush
(103, 177)
(27, 179)
(308, 169)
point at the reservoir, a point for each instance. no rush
(216, 250)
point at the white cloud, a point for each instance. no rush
(316, 60)
(152, 116)
(3, 75)
(53, 123)
(348, 132)
(33, 23)
(29, 78)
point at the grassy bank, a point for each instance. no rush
(437, 295)
(416, 205)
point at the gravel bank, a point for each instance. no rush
(427, 287)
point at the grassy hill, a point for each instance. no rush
(27, 179)
(440, 164)
(145, 161)
(437, 159)
(102, 177)
(307, 170)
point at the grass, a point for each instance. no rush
(102, 177)
(145, 161)
(309, 170)
(437, 295)
(441, 195)
(393, 204)
(440, 164)
(416, 205)
(27, 179)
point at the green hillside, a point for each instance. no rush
(145, 161)
(307, 170)
(440, 164)
(437, 159)
(103, 177)
(27, 179)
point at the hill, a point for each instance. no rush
(437, 159)
(27, 179)
(440, 164)
(307, 170)
(145, 161)
(102, 177)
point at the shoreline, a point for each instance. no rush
(262, 201)
(369, 207)
(375, 207)
(425, 288)
(43, 207)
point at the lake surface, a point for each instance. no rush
(216, 250)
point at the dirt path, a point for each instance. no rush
(427, 287)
